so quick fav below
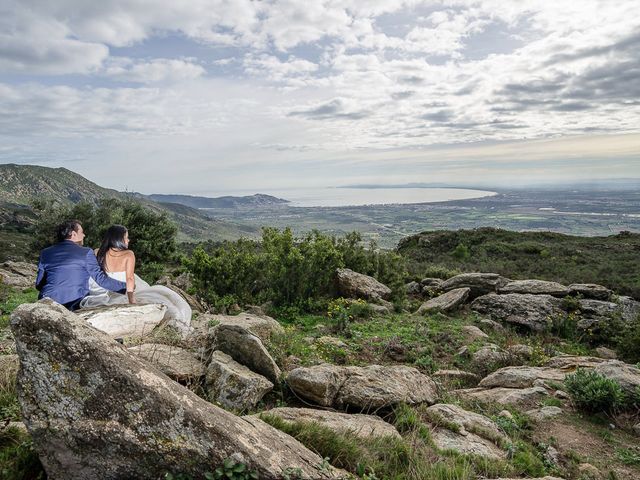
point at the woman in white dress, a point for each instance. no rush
(117, 261)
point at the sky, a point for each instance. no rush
(208, 97)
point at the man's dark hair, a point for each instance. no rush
(65, 229)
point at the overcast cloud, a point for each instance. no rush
(213, 95)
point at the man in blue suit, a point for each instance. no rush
(64, 269)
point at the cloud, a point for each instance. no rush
(157, 70)
(338, 108)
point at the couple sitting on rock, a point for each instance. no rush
(78, 277)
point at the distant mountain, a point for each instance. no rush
(21, 185)
(257, 200)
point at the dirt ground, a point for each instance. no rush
(580, 440)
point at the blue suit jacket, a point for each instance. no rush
(64, 270)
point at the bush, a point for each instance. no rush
(152, 235)
(593, 392)
(286, 270)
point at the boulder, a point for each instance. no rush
(468, 444)
(521, 397)
(472, 333)
(593, 313)
(590, 290)
(175, 362)
(535, 287)
(94, 410)
(232, 385)
(193, 302)
(629, 308)
(18, 274)
(520, 351)
(246, 349)
(263, 327)
(491, 325)
(413, 288)
(522, 377)
(370, 387)
(478, 283)
(636, 429)
(572, 362)
(628, 376)
(532, 311)
(431, 282)
(128, 320)
(356, 285)
(365, 426)
(331, 342)
(489, 357)
(606, 353)
(467, 421)
(446, 302)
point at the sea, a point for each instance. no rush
(343, 196)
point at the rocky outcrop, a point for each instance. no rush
(365, 426)
(175, 362)
(356, 285)
(413, 288)
(472, 333)
(120, 321)
(594, 313)
(446, 302)
(261, 326)
(590, 290)
(478, 283)
(532, 311)
(522, 377)
(247, 349)
(535, 287)
(366, 388)
(18, 274)
(489, 358)
(572, 362)
(465, 432)
(521, 397)
(626, 375)
(95, 411)
(234, 386)
(468, 444)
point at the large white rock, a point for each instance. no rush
(533, 311)
(479, 283)
(468, 444)
(366, 426)
(129, 320)
(262, 326)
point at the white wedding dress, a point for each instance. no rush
(178, 310)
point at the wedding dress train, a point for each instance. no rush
(178, 310)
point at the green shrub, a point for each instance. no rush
(593, 392)
(287, 270)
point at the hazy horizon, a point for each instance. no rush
(159, 97)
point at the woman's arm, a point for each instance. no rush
(130, 267)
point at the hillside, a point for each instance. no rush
(613, 261)
(257, 200)
(21, 185)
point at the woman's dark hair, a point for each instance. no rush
(113, 238)
(66, 228)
